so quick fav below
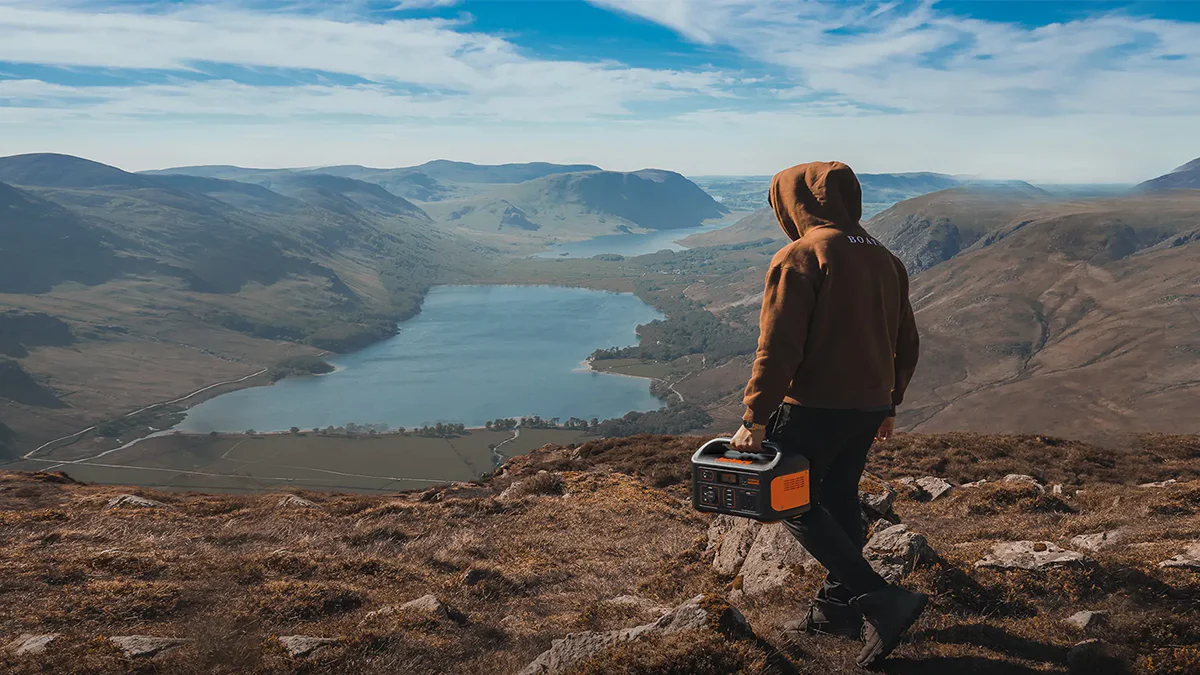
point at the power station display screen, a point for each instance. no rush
(730, 478)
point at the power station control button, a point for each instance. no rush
(749, 480)
(706, 474)
(708, 495)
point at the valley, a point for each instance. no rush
(1067, 315)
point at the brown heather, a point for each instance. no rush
(230, 572)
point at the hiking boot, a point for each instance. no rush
(828, 619)
(888, 612)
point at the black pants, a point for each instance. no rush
(836, 443)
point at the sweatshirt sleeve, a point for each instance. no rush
(908, 344)
(788, 301)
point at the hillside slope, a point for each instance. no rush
(1186, 177)
(514, 563)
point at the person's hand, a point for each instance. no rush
(886, 429)
(749, 441)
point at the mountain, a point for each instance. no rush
(65, 171)
(583, 204)
(465, 172)
(1070, 317)
(933, 228)
(1186, 177)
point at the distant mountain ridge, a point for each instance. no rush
(1186, 177)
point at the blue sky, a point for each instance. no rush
(1042, 90)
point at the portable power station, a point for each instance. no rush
(766, 486)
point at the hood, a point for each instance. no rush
(817, 194)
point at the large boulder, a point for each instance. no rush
(699, 613)
(729, 541)
(772, 560)
(1030, 555)
(935, 487)
(895, 551)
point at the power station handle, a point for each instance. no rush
(720, 446)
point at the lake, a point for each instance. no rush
(628, 244)
(474, 353)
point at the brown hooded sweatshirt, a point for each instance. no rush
(836, 328)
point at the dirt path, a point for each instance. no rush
(31, 453)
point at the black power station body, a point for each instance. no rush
(768, 486)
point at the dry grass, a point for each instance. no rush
(232, 571)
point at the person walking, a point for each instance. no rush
(837, 347)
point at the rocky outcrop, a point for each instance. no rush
(1030, 555)
(894, 551)
(1098, 540)
(427, 604)
(304, 646)
(729, 540)
(772, 560)
(145, 646)
(935, 487)
(31, 644)
(877, 498)
(1087, 619)
(1023, 479)
(133, 502)
(295, 502)
(699, 613)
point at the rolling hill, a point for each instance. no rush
(199, 278)
(880, 191)
(1186, 177)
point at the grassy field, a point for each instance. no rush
(240, 463)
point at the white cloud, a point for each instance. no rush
(924, 60)
(1067, 102)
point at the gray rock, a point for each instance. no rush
(730, 539)
(133, 502)
(31, 644)
(934, 487)
(1022, 479)
(895, 551)
(428, 604)
(1057, 489)
(295, 502)
(1160, 484)
(636, 603)
(1087, 619)
(1030, 555)
(876, 497)
(145, 646)
(303, 646)
(772, 560)
(974, 484)
(1189, 559)
(1099, 540)
(577, 648)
